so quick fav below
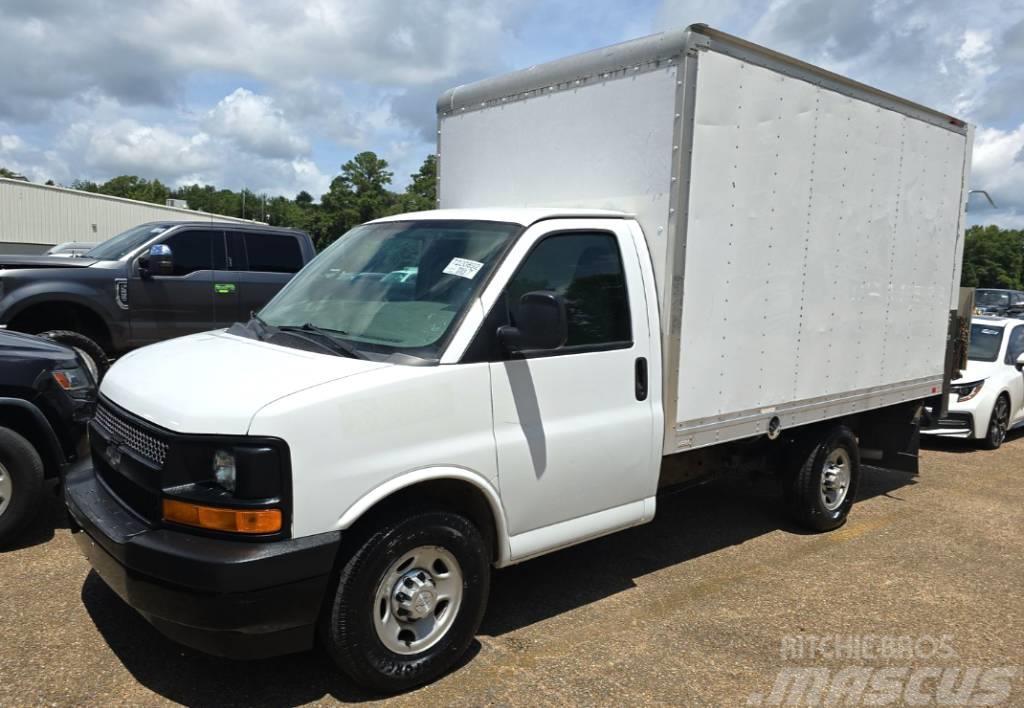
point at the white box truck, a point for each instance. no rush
(650, 261)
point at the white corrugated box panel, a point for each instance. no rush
(820, 246)
(820, 238)
(606, 144)
(35, 213)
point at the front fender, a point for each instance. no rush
(385, 490)
(87, 295)
(40, 433)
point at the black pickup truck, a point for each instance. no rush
(150, 283)
(46, 398)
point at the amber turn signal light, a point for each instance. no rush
(220, 519)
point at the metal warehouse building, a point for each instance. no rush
(34, 217)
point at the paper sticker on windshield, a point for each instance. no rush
(463, 267)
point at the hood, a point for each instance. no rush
(214, 383)
(12, 262)
(15, 346)
(978, 370)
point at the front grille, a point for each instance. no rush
(127, 433)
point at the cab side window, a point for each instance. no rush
(585, 269)
(273, 253)
(1015, 346)
(196, 250)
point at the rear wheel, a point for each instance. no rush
(91, 353)
(821, 491)
(409, 601)
(21, 483)
(998, 424)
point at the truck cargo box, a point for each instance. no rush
(806, 230)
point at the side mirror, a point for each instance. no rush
(1020, 363)
(159, 261)
(542, 323)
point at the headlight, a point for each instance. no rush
(224, 469)
(965, 392)
(236, 488)
(75, 381)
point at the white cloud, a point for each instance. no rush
(976, 45)
(256, 125)
(141, 53)
(242, 142)
(128, 147)
(105, 96)
(998, 164)
(154, 91)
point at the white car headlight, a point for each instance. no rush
(965, 392)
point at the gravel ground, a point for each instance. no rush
(705, 606)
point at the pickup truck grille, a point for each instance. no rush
(139, 441)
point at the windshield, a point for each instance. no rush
(991, 297)
(124, 243)
(395, 286)
(985, 342)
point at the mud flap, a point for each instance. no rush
(890, 437)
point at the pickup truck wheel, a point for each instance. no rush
(408, 602)
(21, 483)
(821, 491)
(91, 353)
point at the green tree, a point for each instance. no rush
(134, 187)
(421, 194)
(84, 185)
(357, 195)
(993, 258)
(4, 172)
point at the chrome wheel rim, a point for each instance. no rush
(6, 489)
(417, 600)
(835, 479)
(997, 427)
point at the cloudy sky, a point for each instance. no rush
(276, 94)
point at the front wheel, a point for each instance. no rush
(820, 492)
(998, 424)
(409, 601)
(21, 483)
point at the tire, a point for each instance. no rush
(998, 424)
(821, 491)
(92, 354)
(361, 626)
(21, 483)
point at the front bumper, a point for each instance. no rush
(237, 599)
(955, 424)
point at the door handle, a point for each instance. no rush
(640, 380)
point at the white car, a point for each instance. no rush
(988, 400)
(71, 249)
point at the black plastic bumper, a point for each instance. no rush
(953, 423)
(230, 598)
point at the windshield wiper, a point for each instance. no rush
(323, 338)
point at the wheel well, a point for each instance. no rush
(24, 424)
(448, 494)
(45, 316)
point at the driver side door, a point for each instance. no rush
(166, 306)
(574, 427)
